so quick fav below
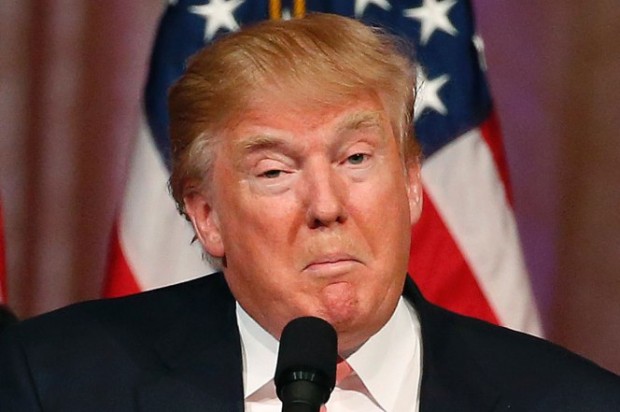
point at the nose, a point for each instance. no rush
(326, 196)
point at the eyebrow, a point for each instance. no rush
(256, 143)
(260, 142)
(360, 120)
(354, 121)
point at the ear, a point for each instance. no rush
(414, 192)
(205, 221)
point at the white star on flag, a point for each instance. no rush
(360, 5)
(433, 15)
(428, 93)
(479, 45)
(219, 15)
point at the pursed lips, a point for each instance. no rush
(332, 264)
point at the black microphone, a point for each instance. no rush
(306, 370)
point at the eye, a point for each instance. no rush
(357, 158)
(271, 174)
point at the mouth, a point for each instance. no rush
(332, 265)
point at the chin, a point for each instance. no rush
(354, 322)
(350, 338)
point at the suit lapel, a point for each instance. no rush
(201, 355)
(451, 378)
(203, 368)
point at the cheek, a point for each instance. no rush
(382, 215)
(259, 227)
(384, 200)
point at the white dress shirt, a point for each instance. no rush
(387, 367)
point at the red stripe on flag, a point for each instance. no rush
(120, 280)
(439, 269)
(492, 135)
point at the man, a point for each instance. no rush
(294, 161)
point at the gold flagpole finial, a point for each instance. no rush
(275, 9)
(299, 9)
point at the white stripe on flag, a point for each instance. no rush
(468, 192)
(155, 239)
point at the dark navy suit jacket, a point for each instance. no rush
(178, 349)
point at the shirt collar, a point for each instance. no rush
(391, 376)
(260, 351)
(389, 363)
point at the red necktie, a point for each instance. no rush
(343, 370)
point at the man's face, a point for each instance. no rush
(312, 210)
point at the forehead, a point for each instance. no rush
(277, 108)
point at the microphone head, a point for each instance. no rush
(308, 352)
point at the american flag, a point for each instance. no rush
(465, 253)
